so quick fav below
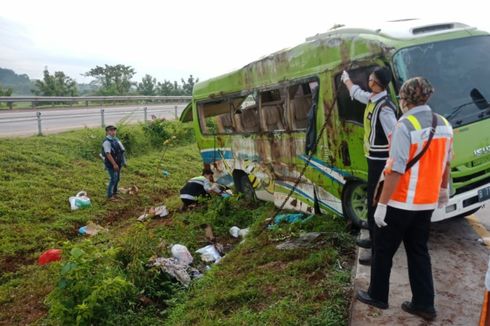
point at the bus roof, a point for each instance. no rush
(336, 48)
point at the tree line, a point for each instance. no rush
(109, 80)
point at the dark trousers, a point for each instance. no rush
(113, 181)
(375, 168)
(411, 227)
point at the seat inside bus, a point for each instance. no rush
(225, 124)
(300, 107)
(273, 115)
(248, 119)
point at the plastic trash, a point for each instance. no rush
(49, 256)
(165, 173)
(209, 254)
(243, 232)
(182, 254)
(290, 218)
(235, 231)
(91, 229)
(161, 211)
(80, 200)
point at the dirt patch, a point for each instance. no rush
(12, 264)
(25, 310)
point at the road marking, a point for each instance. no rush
(479, 228)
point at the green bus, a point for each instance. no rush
(257, 127)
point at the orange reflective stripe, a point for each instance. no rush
(484, 316)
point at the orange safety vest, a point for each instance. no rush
(418, 188)
(485, 311)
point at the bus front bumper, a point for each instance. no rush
(461, 204)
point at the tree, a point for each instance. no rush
(166, 88)
(148, 86)
(55, 85)
(5, 91)
(188, 86)
(113, 80)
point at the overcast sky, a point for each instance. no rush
(172, 39)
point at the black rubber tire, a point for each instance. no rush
(246, 188)
(351, 203)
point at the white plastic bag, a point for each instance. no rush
(80, 200)
(209, 254)
(182, 254)
(235, 231)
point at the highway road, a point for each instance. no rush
(24, 122)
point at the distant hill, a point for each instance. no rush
(20, 84)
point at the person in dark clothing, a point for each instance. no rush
(113, 154)
(197, 187)
(379, 122)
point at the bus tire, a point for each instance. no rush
(354, 203)
(246, 188)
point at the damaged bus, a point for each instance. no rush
(257, 127)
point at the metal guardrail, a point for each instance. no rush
(39, 117)
(35, 100)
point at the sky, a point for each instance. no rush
(173, 39)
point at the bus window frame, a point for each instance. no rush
(288, 114)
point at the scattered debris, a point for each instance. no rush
(290, 218)
(49, 256)
(133, 190)
(80, 200)
(236, 232)
(159, 211)
(182, 254)
(91, 229)
(181, 272)
(208, 232)
(209, 254)
(165, 173)
(304, 241)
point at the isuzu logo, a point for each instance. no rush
(482, 150)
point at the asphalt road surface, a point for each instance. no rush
(24, 122)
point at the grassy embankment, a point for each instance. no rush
(105, 279)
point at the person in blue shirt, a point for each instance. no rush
(113, 154)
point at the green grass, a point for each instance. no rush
(106, 280)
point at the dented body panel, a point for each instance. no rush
(262, 139)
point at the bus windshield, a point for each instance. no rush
(458, 69)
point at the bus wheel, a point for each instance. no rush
(246, 188)
(355, 204)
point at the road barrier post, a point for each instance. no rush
(102, 122)
(145, 109)
(176, 114)
(39, 130)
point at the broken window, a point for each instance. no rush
(246, 115)
(349, 109)
(272, 106)
(215, 117)
(235, 114)
(300, 97)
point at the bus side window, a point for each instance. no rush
(300, 97)
(352, 110)
(272, 106)
(215, 118)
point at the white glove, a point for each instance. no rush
(443, 197)
(344, 77)
(380, 215)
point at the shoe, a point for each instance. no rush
(365, 259)
(364, 243)
(427, 314)
(364, 297)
